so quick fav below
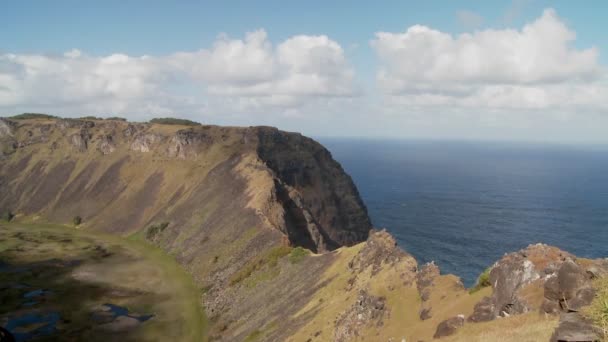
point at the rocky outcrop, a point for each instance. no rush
(449, 326)
(80, 140)
(575, 328)
(6, 128)
(328, 193)
(368, 310)
(106, 145)
(570, 288)
(144, 142)
(381, 250)
(424, 282)
(512, 276)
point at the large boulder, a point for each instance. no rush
(575, 328)
(6, 128)
(569, 289)
(513, 276)
(449, 326)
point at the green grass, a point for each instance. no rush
(151, 281)
(598, 310)
(482, 281)
(28, 116)
(254, 336)
(269, 259)
(297, 254)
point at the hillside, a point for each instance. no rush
(274, 233)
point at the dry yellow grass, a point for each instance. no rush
(530, 327)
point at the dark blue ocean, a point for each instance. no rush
(464, 204)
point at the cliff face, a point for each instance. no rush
(230, 204)
(62, 168)
(232, 197)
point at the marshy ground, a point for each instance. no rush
(62, 283)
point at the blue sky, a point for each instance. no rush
(161, 29)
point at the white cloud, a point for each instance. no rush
(536, 67)
(247, 73)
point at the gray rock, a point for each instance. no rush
(574, 328)
(484, 311)
(449, 326)
(571, 278)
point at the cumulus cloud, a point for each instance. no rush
(246, 72)
(535, 67)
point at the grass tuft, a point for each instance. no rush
(598, 310)
(297, 254)
(270, 258)
(482, 281)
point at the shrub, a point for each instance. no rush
(116, 118)
(482, 281)
(270, 258)
(27, 116)
(155, 229)
(297, 254)
(90, 118)
(174, 121)
(77, 220)
(7, 216)
(598, 310)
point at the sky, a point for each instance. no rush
(521, 70)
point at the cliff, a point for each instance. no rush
(275, 234)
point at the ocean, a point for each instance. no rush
(465, 204)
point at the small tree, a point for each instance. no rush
(8, 216)
(77, 220)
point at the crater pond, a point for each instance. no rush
(465, 204)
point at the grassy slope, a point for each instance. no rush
(152, 281)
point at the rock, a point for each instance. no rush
(380, 249)
(6, 128)
(425, 314)
(64, 124)
(484, 311)
(367, 310)
(511, 275)
(574, 328)
(186, 143)
(569, 290)
(80, 140)
(106, 144)
(550, 307)
(144, 142)
(425, 276)
(449, 326)
(571, 277)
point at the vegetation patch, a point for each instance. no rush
(174, 121)
(270, 259)
(297, 254)
(254, 336)
(598, 310)
(155, 229)
(90, 117)
(482, 281)
(29, 116)
(116, 118)
(7, 216)
(77, 220)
